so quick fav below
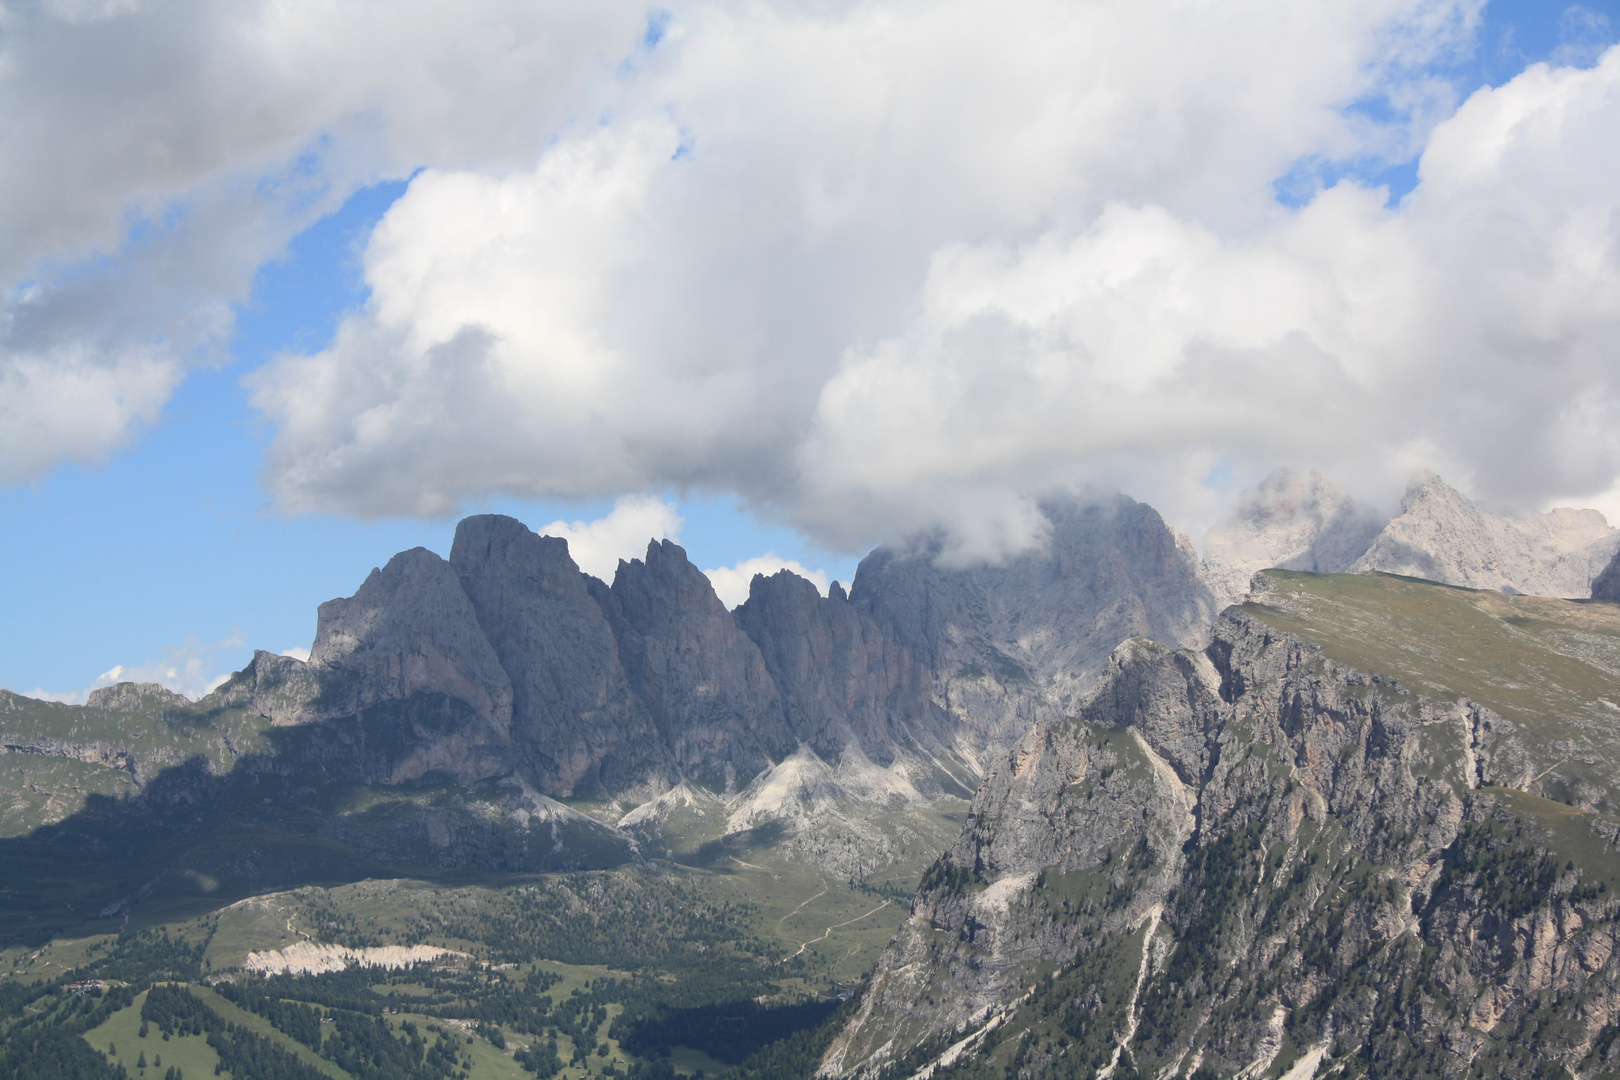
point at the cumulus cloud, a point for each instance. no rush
(824, 259)
(597, 546)
(880, 268)
(186, 668)
(731, 582)
(153, 156)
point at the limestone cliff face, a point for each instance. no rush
(701, 678)
(409, 629)
(1007, 645)
(577, 725)
(843, 680)
(1443, 536)
(1606, 586)
(1249, 856)
(408, 643)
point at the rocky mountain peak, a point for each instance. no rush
(136, 697)
(1295, 522)
(1012, 642)
(701, 678)
(409, 629)
(843, 679)
(576, 722)
(1442, 535)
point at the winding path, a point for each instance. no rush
(800, 908)
(827, 932)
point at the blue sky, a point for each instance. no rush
(170, 551)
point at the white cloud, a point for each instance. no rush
(1473, 329)
(69, 403)
(873, 267)
(597, 546)
(296, 653)
(153, 156)
(187, 668)
(680, 295)
(731, 582)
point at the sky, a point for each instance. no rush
(288, 287)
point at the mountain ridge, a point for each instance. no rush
(1307, 522)
(1255, 855)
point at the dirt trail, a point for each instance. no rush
(827, 932)
(800, 908)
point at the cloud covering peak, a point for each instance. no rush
(886, 267)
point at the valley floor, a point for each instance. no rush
(651, 971)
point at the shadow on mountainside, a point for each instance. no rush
(299, 813)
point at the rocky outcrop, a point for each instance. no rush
(1443, 536)
(1009, 644)
(150, 698)
(277, 687)
(844, 681)
(577, 725)
(702, 680)
(1243, 857)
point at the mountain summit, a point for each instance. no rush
(1295, 522)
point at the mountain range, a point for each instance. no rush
(1345, 779)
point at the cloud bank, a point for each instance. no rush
(875, 268)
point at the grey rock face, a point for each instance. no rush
(843, 679)
(577, 726)
(700, 677)
(409, 629)
(1230, 851)
(1011, 644)
(153, 698)
(281, 688)
(580, 688)
(1606, 586)
(1443, 536)
(1291, 521)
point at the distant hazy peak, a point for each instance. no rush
(1293, 521)
(1442, 535)
(1297, 522)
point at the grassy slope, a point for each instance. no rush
(793, 905)
(1553, 665)
(1550, 666)
(43, 788)
(121, 1032)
